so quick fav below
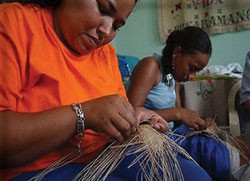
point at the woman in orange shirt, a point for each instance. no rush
(60, 86)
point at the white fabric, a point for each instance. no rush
(234, 158)
(233, 70)
(243, 174)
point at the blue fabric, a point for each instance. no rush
(124, 68)
(190, 171)
(161, 96)
(131, 60)
(211, 155)
(67, 172)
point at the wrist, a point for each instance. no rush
(80, 123)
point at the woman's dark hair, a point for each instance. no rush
(191, 40)
(41, 3)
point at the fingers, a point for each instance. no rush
(114, 133)
(119, 128)
(161, 126)
(112, 115)
(158, 122)
(116, 117)
(123, 122)
(143, 114)
(197, 124)
(210, 122)
(192, 119)
(200, 123)
(125, 127)
(129, 115)
(196, 127)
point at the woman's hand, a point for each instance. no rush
(158, 122)
(210, 122)
(112, 115)
(191, 118)
(116, 117)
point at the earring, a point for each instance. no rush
(174, 56)
(169, 78)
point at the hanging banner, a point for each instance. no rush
(214, 16)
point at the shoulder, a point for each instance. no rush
(148, 67)
(149, 62)
(17, 10)
(22, 24)
(24, 18)
(18, 15)
(9, 7)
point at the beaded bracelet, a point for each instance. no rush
(80, 124)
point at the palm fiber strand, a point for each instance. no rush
(156, 154)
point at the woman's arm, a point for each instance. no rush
(27, 136)
(182, 115)
(145, 75)
(178, 103)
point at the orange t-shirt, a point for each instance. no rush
(38, 73)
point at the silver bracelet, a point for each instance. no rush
(80, 123)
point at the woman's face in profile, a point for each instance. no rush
(84, 25)
(187, 65)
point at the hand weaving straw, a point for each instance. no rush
(155, 153)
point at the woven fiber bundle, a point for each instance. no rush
(154, 152)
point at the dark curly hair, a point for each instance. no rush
(191, 40)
